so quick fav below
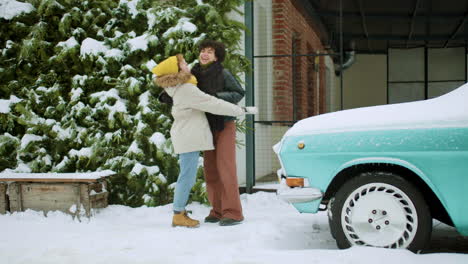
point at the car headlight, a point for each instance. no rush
(297, 182)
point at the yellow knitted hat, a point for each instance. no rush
(167, 66)
(193, 80)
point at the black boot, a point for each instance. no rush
(211, 219)
(225, 221)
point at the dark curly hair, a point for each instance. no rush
(220, 49)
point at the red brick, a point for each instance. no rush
(289, 18)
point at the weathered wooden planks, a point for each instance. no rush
(4, 207)
(75, 197)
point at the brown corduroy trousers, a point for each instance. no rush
(221, 174)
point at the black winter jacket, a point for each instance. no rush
(232, 92)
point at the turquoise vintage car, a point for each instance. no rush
(383, 172)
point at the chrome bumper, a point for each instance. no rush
(298, 195)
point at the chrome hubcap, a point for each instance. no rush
(379, 215)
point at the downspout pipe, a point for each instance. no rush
(349, 59)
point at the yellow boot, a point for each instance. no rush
(182, 219)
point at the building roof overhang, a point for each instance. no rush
(374, 26)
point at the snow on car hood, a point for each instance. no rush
(449, 110)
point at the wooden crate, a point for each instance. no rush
(70, 195)
(3, 198)
(71, 198)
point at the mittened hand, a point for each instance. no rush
(251, 110)
(165, 98)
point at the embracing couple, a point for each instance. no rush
(203, 107)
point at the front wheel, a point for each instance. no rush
(380, 209)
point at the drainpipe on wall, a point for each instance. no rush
(349, 59)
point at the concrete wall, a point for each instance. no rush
(333, 97)
(240, 137)
(365, 82)
(265, 136)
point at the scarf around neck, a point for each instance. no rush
(211, 80)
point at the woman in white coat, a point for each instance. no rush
(190, 131)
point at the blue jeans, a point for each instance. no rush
(188, 173)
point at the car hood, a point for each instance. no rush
(449, 110)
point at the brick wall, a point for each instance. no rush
(293, 33)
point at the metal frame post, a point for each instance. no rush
(341, 54)
(249, 98)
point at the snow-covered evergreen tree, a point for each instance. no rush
(76, 91)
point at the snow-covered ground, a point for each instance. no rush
(273, 232)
